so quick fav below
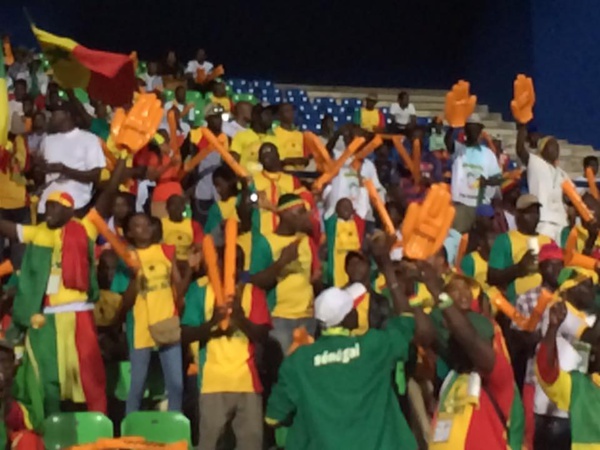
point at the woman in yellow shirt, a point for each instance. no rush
(153, 318)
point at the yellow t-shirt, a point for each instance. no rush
(12, 192)
(181, 235)
(43, 236)
(274, 185)
(291, 143)
(369, 120)
(292, 297)
(247, 143)
(155, 302)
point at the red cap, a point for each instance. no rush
(550, 251)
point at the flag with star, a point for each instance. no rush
(106, 76)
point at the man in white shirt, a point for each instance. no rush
(72, 160)
(199, 63)
(545, 179)
(152, 79)
(475, 171)
(403, 112)
(348, 184)
(242, 115)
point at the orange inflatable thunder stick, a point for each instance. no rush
(337, 165)
(114, 241)
(364, 152)
(229, 265)
(134, 129)
(319, 152)
(459, 104)
(388, 226)
(571, 192)
(406, 159)
(6, 268)
(523, 99)
(214, 274)
(591, 179)
(416, 161)
(426, 226)
(500, 303)
(225, 155)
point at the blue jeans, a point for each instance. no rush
(283, 330)
(172, 367)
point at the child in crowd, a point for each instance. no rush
(344, 232)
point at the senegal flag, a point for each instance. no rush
(4, 119)
(108, 77)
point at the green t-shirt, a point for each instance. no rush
(338, 391)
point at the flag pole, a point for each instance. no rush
(28, 17)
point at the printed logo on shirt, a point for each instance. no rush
(340, 356)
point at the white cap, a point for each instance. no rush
(332, 305)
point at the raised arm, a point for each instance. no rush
(522, 152)
(449, 140)
(106, 198)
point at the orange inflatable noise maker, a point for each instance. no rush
(570, 191)
(500, 303)
(115, 242)
(317, 149)
(388, 226)
(224, 288)
(426, 225)
(337, 165)
(591, 179)
(133, 130)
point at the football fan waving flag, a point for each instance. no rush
(108, 77)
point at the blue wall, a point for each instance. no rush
(566, 61)
(397, 43)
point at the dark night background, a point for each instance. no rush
(414, 44)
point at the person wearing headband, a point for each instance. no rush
(55, 299)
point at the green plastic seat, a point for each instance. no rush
(168, 95)
(142, 68)
(162, 427)
(244, 97)
(67, 429)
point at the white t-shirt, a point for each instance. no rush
(545, 182)
(568, 357)
(346, 184)
(77, 149)
(469, 164)
(152, 82)
(402, 115)
(232, 128)
(193, 66)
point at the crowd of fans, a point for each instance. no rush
(407, 353)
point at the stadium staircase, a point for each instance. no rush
(428, 103)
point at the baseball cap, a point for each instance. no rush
(213, 109)
(62, 198)
(372, 96)
(332, 305)
(475, 118)
(485, 211)
(527, 200)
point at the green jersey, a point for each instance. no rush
(338, 391)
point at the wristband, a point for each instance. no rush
(445, 301)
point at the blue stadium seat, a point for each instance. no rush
(349, 118)
(423, 121)
(325, 102)
(352, 102)
(295, 93)
(262, 84)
